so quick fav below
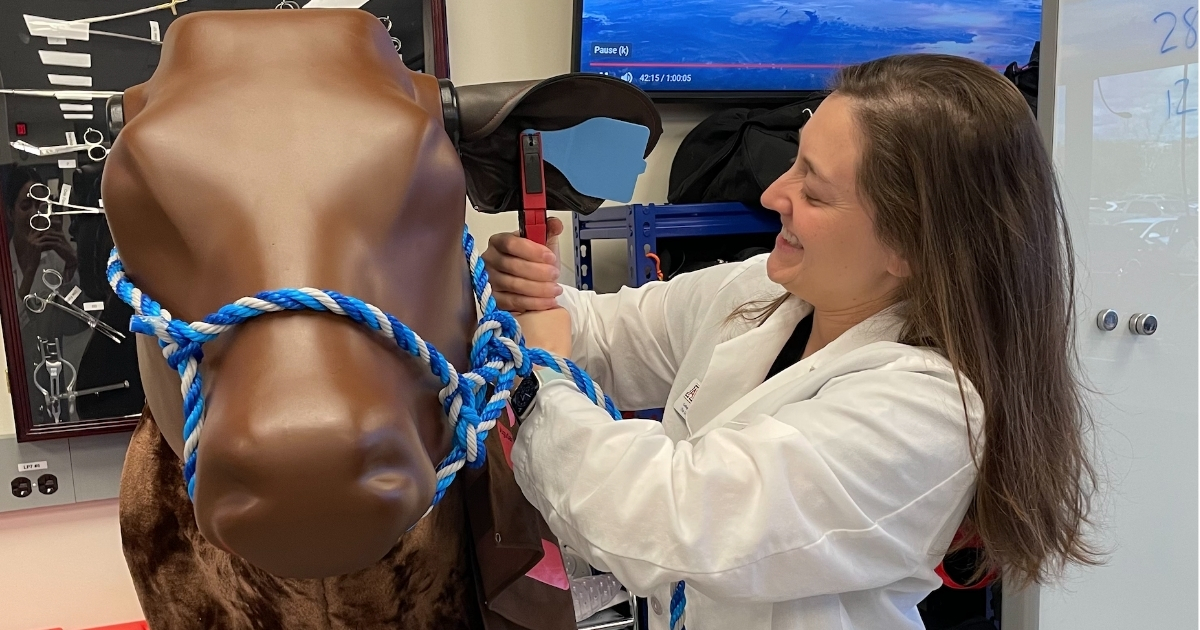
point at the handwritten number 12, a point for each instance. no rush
(1189, 20)
(1178, 108)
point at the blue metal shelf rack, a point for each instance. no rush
(642, 225)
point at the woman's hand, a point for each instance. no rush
(549, 330)
(37, 242)
(524, 274)
(58, 243)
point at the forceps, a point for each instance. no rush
(94, 147)
(41, 221)
(53, 280)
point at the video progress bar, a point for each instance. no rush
(783, 66)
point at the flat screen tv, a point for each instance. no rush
(687, 49)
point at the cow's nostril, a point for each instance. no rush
(387, 483)
(335, 511)
(232, 508)
(385, 466)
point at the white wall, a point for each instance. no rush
(62, 567)
(8, 424)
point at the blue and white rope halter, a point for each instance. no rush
(498, 356)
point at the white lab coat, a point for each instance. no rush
(821, 499)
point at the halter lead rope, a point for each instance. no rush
(498, 356)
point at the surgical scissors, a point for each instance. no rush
(53, 280)
(95, 148)
(40, 221)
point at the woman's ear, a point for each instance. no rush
(898, 266)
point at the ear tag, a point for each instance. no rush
(600, 157)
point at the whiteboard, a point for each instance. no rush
(1121, 105)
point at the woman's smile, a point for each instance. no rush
(788, 240)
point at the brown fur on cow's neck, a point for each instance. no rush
(185, 583)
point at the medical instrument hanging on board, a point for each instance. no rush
(385, 19)
(93, 144)
(41, 221)
(53, 280)
(55, 392)
(55, 368)
(71, 395)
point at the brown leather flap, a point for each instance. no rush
(508, 533)
(493, 116)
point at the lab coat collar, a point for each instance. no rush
(739, 364)
(735, 374)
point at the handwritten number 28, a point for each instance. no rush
(1189, 22)
(1189, 39)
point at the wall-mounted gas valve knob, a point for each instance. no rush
(1143, 324)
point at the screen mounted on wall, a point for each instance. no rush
(708, 47)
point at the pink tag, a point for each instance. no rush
(506, 426)
(551, 569)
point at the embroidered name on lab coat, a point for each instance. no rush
(684, 402)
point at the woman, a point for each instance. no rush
(898, 368)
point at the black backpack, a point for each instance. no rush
(1026, 77)
(735, 154)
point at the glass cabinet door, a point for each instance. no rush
(72, 363)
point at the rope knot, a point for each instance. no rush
(183, 353)
(181, 333)
(497, 340)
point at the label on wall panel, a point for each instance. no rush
(72, 80)
(69, 59)
(29, 466)
(51, 28)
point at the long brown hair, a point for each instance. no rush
(960, 184)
